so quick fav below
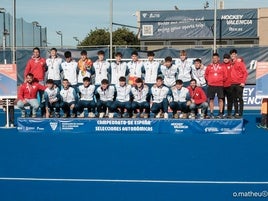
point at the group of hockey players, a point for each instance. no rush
(174, 88)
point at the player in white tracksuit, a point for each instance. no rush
(101, 68)
(141, 99)
(135, 68)
(105, 95)
(151, 70)
(86, 92)
(180, 99)
(54, 67)
(184, 66)
(118, 69)
(169, 72)
(198, 73)
(123, 98)
(69, 99)
(160, 95)
(70, 69)
(51, 99)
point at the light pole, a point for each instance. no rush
(76, 39)
(3, 11)
(111, 29)
(5, 33)
(14, 44)
(61, 42)
(215, 28)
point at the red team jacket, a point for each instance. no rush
(198, 95)
(36, 66)
(239, 72)
(215, 74)
(29, 91)
(228, 68)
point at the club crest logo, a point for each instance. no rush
(144, 15)
(53, 125)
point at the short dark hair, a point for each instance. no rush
(233, 51)
(159, 78)
(168, 58)
(139, 80)
(180, 82)
(36, 48)
(226, 56)
(215, 54)
(105, 81)
(198, 60)
(83, 52)
(67, 54)
(193, 80)
(86, 79)
(30, 74)
(101, 52)
(118, 54)
(65, 80)
(50, 81)
(122, 79)
(150, 54)
(53, 48)
(134, 53)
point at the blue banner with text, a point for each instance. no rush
(130, 126)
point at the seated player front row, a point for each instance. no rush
(122, 100)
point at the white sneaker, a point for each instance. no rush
(111, 115)
(158, 115)
(81, 115)
(11, 126)
(91, 115)
(23, 114)
(192, 116)
(101, 115)
(166, 115)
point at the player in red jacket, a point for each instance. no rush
(227, 85)
(37, 66)
(27, 95)
(239, 76)
(199, 103)
(215, 75)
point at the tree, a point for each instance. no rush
(121, 36)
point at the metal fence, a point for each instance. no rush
(28, 34)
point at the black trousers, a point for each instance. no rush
(237, 98)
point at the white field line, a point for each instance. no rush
(130, 181)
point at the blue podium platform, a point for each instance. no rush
(130, 126)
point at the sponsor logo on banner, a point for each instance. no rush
(211, 129)
(144, 15)
(53, 125)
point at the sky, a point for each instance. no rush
(75, 18)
